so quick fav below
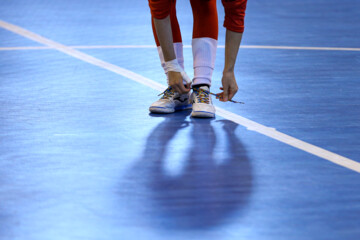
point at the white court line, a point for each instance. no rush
(185, 46)
(249, 124)
(23, 48)
(299, 48)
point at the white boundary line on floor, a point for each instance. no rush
(185, 46)
(23, 48)
(249, 124)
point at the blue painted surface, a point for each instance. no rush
(81, 157)
(9, 39)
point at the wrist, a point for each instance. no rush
(228, 70)
(173, 66)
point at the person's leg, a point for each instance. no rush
(168, 7)
(234, 15)
(204, 43)
(171, 100)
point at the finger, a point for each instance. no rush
(232, 93)
(176, 88)
(183, 89)
(225, 95)
(220, 96)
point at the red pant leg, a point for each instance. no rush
(161, 9)
(234, 14)
(205, 19)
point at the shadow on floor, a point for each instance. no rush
(206, 193)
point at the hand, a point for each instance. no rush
(176, 82)
(229, 87)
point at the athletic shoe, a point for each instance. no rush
(170, 102)
(202, 103)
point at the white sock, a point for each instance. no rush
(204, 54)
(178, 47)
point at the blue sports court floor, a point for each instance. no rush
(82, 158)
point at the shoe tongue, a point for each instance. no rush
(206, 88)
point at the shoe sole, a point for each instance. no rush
(169, 110)
(202, 114)
(161, 110)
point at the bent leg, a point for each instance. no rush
(159, 10)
